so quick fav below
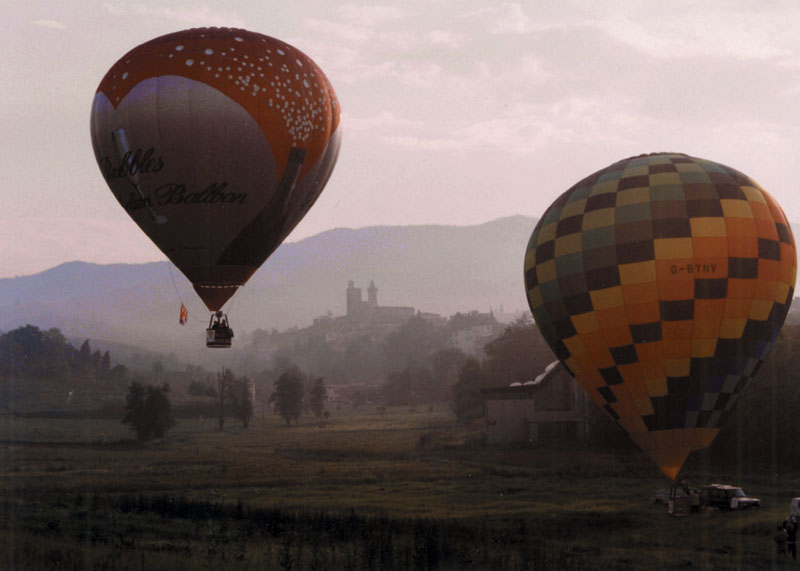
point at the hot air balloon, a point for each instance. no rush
(661, 283)
(216, 141)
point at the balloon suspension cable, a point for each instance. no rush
(178, 293)
(233, 302)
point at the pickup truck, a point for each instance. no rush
(726, 497)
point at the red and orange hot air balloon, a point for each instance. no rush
(216, 141)
(661, 283)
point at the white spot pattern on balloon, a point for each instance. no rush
(278, 77)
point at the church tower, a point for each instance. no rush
(354, 303)
(372, 295)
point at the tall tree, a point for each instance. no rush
(24, 350)
(55, 361)
(105, 365)
(467, 398)
(159, 410)
(445, 366)
(518, 355)
(241, 400)
(317, 396)
(287, 397)
(135, 413)
(85, 352)
(225, 380)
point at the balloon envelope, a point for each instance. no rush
(661, 283)
(216, 142)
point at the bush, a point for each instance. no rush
(148, 411)
(201, 389)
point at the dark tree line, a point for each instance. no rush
(419, 366)
(29, 353)
(762, 433)
(362, 359)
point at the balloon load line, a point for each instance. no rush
(187, 313)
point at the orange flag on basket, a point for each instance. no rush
(184, 315)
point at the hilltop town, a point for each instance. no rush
(367, 319)
(354, 347)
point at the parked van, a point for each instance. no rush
(794, 508)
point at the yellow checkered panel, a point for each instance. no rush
(661, 282)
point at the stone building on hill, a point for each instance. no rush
(369, 310)
(367, 319)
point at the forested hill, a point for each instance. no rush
(439, 269)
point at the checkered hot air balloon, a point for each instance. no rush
(661, 283)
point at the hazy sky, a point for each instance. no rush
(453, 112)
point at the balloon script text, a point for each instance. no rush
(214, 193)
(693, 269)
(173, 193)
(132, 163)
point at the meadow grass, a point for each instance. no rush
(398, 490)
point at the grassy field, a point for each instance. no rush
(400, 490)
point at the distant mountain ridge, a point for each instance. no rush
(433, 268)
(439, 269)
